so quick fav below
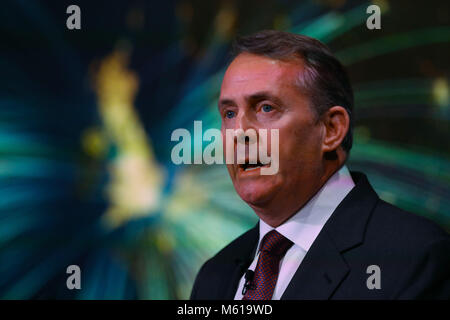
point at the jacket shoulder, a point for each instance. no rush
(412, 253)
(211, 274)
(393, 223)
(419, 248)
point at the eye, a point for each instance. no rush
(230, 114)
(267, 108)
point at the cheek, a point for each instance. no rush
(228, 123)
(306, 136)
(225, 147)
(300, 145)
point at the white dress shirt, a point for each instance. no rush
(303, 228)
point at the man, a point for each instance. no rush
(323, 233)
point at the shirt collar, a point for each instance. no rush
(304, 226)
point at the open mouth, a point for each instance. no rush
(251, 167)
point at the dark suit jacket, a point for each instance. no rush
(413, 255)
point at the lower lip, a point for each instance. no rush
(254, 172)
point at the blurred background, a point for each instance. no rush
(86, 118)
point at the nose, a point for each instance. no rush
(243, 123)
(245, 139)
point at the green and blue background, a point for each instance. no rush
(86, 116)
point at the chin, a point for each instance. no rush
(255, 194)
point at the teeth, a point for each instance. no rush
(251, 168)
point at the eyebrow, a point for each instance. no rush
(253, 98)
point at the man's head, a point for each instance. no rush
(289, 82)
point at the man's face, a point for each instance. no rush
(260, 93)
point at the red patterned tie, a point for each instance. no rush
(273, 247)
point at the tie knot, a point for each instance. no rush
(275, 243)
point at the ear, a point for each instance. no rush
(337, 122)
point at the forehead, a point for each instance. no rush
(249, 72)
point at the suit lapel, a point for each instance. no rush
(324, 268)
(319, 274)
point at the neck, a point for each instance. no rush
(277, 211)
